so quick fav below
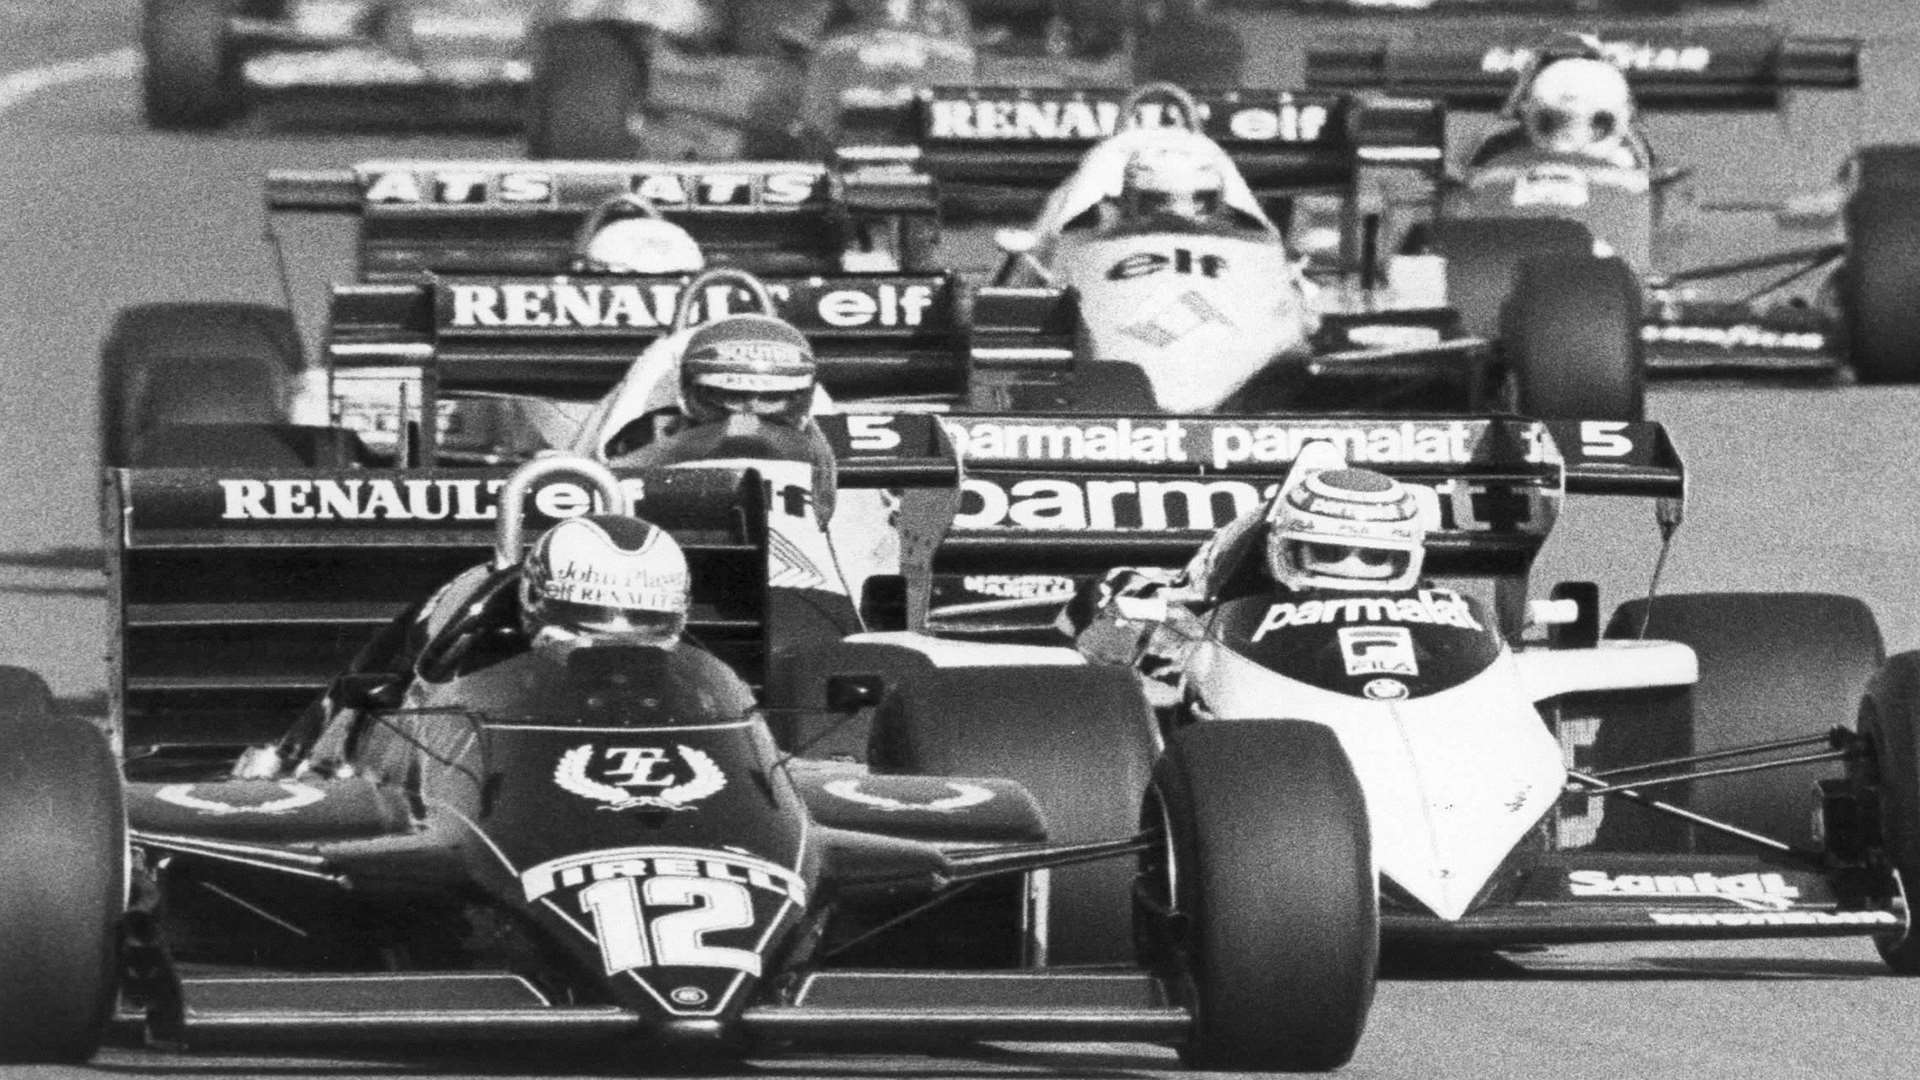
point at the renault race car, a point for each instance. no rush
(511, 233)
(1220, 317)
(1527, 201)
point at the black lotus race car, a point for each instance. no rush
(494, 844)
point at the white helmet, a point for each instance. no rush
(1178, 178)
(1578, 106)
(642, 245)
(606, 579)
(1346, 528)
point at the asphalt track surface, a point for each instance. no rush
(1793, 488)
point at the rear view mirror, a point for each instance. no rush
(1583, 630)
(851, 693)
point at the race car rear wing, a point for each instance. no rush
(575, 336)
(1073, 495)
(238, 594)
(1669, 67)
(517, 217)
(1023, 138)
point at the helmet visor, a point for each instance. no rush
(1355, 561)
(629, 625)
(1556, 128)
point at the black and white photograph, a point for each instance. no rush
(960, 539)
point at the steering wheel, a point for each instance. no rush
(444, 650)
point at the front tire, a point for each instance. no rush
(1571, 337)
(1262, 908)
(63, 837)
(192, 78)
(591, 81)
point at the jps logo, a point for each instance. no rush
(639, 777)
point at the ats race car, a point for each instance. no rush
(1522, 201)
(1217, 315)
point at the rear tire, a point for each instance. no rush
(1269, 864)
(1889, 720)
(1571, 338)
(1882, 272)
(1772, 666)
(1079, 739)
(591, 80)
(192, 77)
(63, 835)
(182, 364)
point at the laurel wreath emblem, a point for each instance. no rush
(571, 775)
(964, 795)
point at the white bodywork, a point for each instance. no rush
(1200, 311)
(1454, 779)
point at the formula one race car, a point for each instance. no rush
(607, 844)
(1529, 200)
(1514, 760)
(1215, 313)
(521, 227)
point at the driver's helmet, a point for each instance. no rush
(1346, 528)
(629, 237)
(1172, 179)
(747, 364)
(605, 579)
(1578, 105)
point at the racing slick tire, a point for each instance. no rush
(1571, 339)
(1261, 907)
(63, 836)
(1889, 775)
(1881, 274)
(1079, 739)
(192, 76)
(194, 363)
(1483, 254)
(1772, 666)
(591, 80)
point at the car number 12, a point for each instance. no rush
(635, 933)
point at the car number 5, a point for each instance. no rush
(871, 432)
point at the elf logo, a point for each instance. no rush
(1180, 261)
